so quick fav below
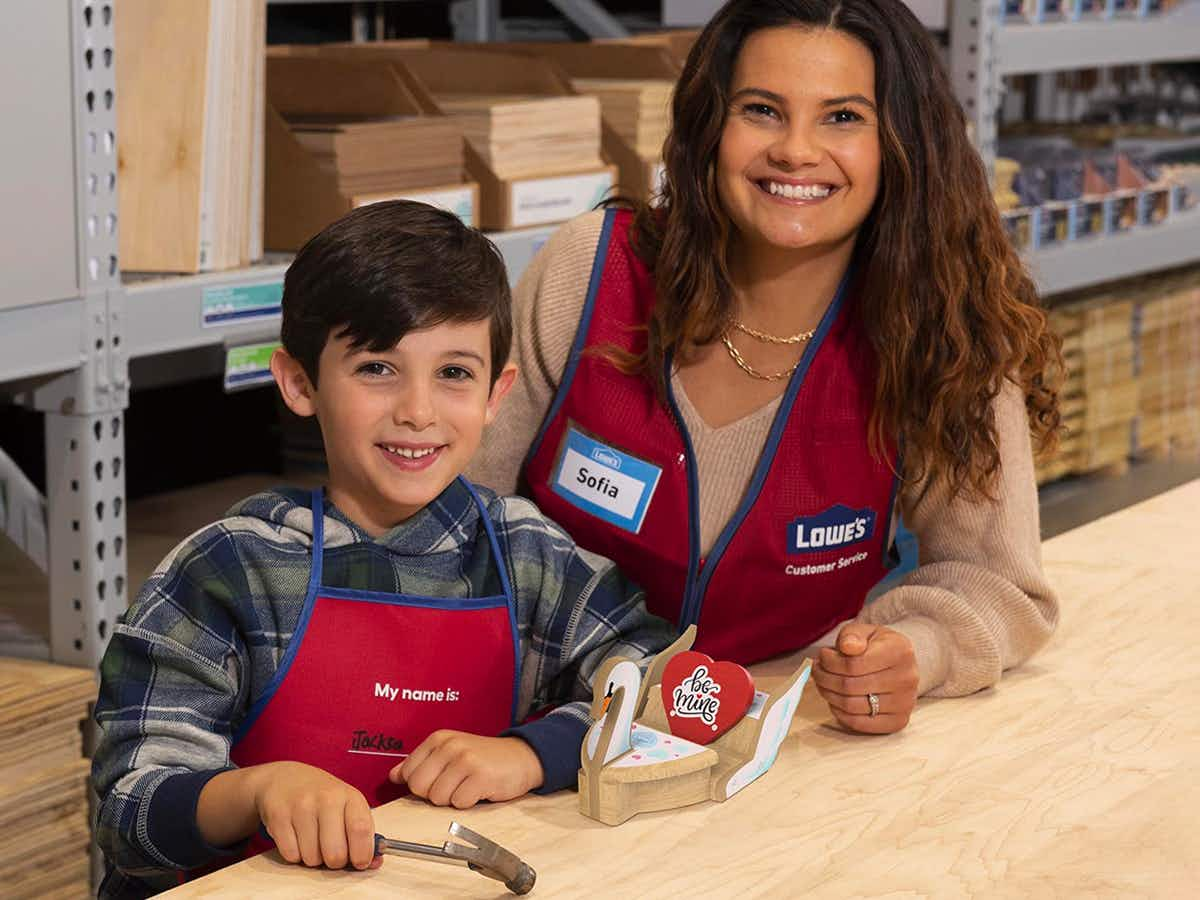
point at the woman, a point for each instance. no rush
(727, 394)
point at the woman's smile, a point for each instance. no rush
(796, 193)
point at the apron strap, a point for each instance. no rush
(501, 566)
(317, 505)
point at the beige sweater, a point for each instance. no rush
(977, 604)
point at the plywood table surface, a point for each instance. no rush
(1072, 778)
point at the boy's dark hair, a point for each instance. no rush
(389, 268)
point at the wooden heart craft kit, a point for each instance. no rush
(692, 729)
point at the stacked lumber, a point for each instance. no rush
(1099, 395)
(638, 109)
(44, 834)
(1168, 353)
(190, 133)
(378, 155)
(519, 135)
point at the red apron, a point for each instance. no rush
(368, 676)
(615, 467)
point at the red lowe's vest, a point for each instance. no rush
(615, 468)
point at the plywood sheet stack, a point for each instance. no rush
(634, 85)
(1168, 347)
(190, 147)
(369, 156)
(639, 109)
(44, 834)
(1099, 396)
(519, 135)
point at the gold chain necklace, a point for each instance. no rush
(771, 338)
(749, 369)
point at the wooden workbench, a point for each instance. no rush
(1074, 777)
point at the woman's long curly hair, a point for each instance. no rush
(946, 301)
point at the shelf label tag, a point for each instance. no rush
(248, 365)
(460, 201)
(538, 201)
(233, 304)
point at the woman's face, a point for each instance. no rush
(798, 164)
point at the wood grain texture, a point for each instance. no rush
(1071, 778)
(43, 779)
(160, 131)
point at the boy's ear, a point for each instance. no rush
(295, 388)
(504, 383)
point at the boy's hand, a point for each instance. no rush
(868, 659)
(454, 768)
(314, 817)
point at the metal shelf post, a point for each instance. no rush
(84, 422)
(973, 29)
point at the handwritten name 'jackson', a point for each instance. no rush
(379, 742)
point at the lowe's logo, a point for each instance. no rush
(839, 526)
(606, 457)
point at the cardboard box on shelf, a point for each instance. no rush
(312, 51)
(534, 145)
(344, 134)
(676, 42)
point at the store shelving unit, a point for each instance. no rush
(1078, 264)
(65, 349)
(984, 48)
(1058, 46)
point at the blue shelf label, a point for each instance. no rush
(229, 304)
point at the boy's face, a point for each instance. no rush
(400, 425)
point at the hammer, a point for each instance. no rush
(476, 853)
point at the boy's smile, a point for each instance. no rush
(401, 424)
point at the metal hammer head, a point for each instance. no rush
(490, 859)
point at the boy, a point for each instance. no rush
(292, 669)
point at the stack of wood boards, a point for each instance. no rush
(1099, 395)
(190, 112)
(344, 132)
(369, 156)
(44, 834)
(1168, 346)
(639, 109)
(519, 135)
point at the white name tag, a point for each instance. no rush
(604, 481)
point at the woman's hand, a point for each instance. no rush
(454, 768)
(868, 659)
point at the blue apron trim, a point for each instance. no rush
(693, 489)
(767, 457)
(509, 598)
(316, 565)
(383, 598)
(891, 560)
(585, 321)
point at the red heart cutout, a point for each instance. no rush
(704, 699)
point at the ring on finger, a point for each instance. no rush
(873, 702)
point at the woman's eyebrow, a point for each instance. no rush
(849, 98)
(762, 92)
